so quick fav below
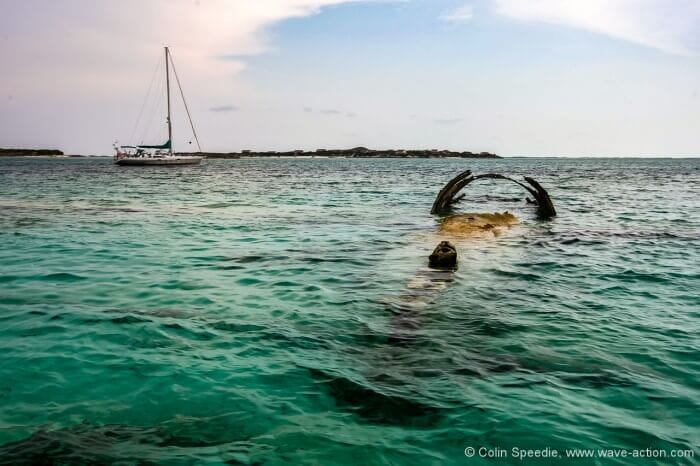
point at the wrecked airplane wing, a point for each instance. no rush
(448, 195)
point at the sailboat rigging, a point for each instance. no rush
(160, 154)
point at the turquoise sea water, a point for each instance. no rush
(244, 312)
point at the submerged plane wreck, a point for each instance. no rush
(444, 257)
(477, 224)
(427, 284)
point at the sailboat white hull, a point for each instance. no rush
(176, 160)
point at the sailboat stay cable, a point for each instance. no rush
(182, 94)
(167, 94)
(145, 101)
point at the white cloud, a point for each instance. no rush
(92, 60)
(86, 44)
(459, 15)
(669, 25)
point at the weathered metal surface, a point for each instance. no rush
(444, 257)
(448, 195)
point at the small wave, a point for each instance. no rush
(595, 380)
(128, 319)
(62, 277)
(341, 260)
(632, 276)
(515, 274)
(582, 241)
(217, 205)
(189, 333)
(253, 258)
(235, 327)
(249, 281)
(181, 285)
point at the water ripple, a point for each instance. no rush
(194, 315)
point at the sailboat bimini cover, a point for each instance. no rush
(162, 146)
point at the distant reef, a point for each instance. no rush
(29, 152)
(357, 152)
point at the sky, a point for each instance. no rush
(515, 77)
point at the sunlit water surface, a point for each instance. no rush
(244, 311)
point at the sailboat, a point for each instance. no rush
(161, 154)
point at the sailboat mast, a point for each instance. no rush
(167, 87)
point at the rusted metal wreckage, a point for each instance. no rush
(448, 195)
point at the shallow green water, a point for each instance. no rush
(244, 311)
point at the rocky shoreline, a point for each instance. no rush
(357, 152)
(30, 152)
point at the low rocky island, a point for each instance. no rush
(30, 153)
(357, 152)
